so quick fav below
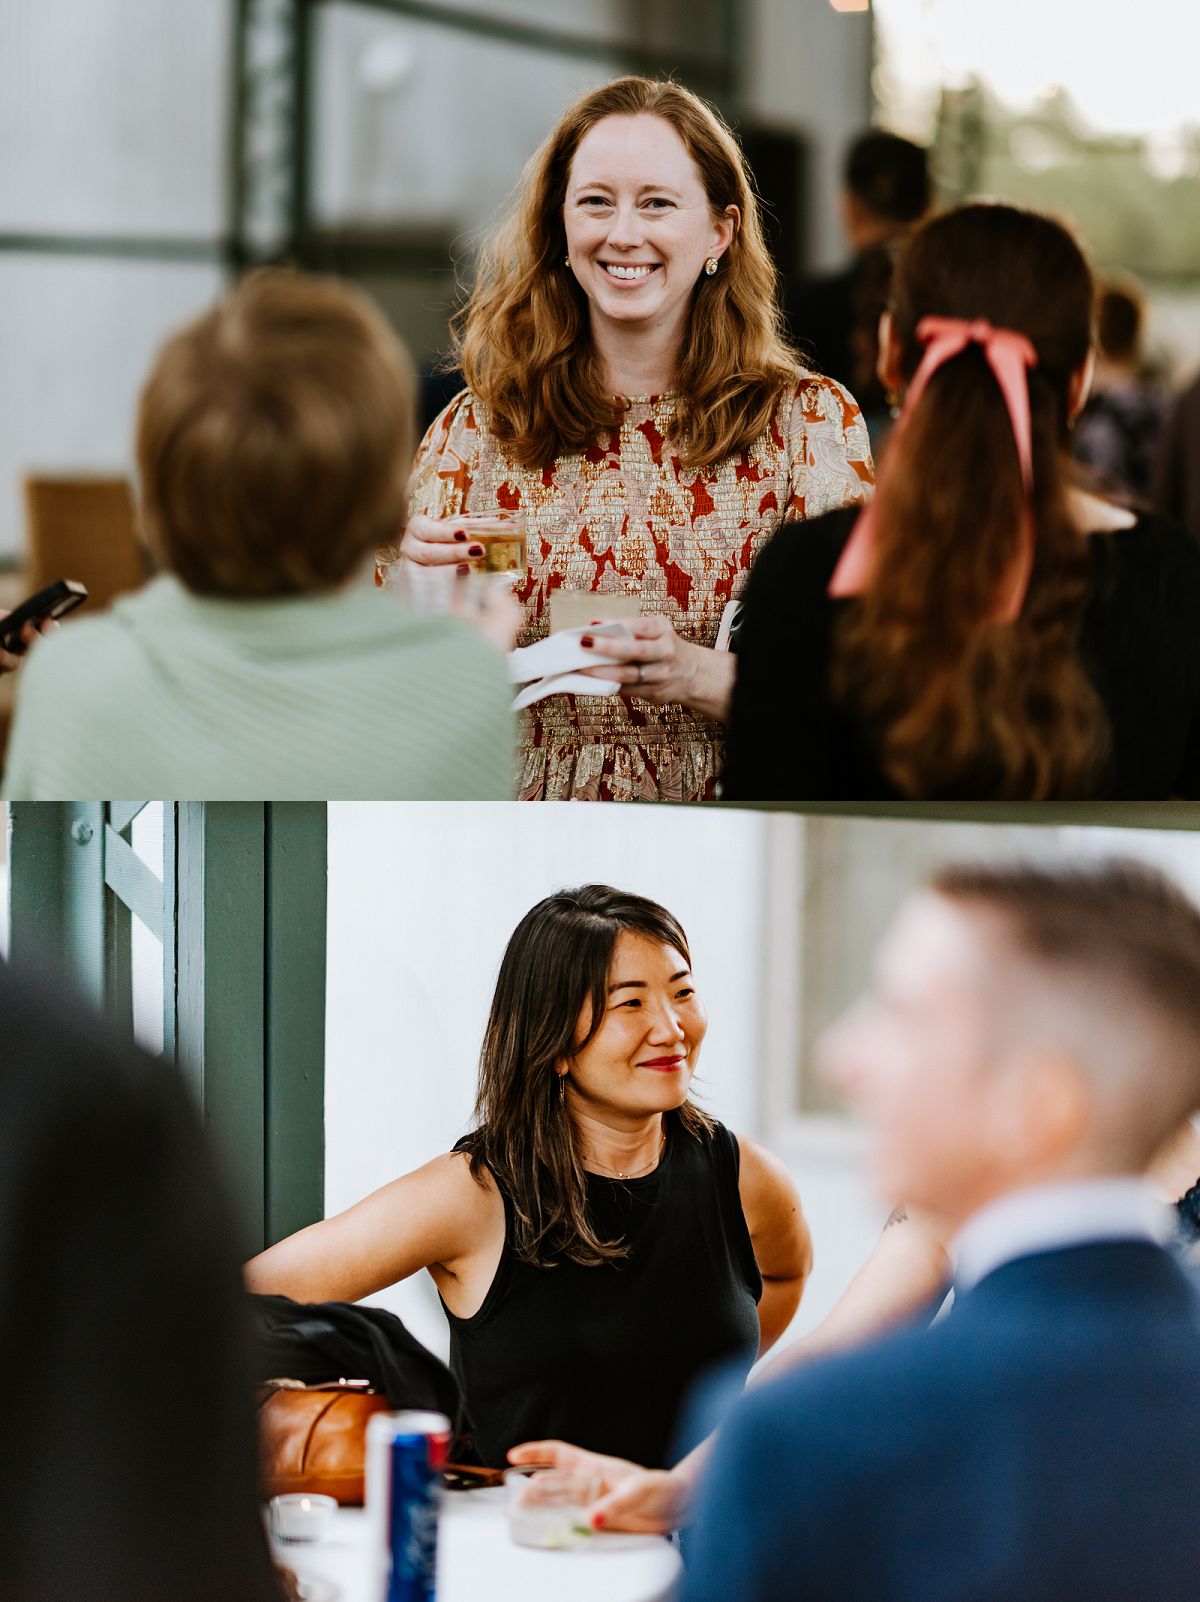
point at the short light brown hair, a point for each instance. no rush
(1133, 937)
(274, 439)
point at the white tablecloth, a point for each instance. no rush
(477, 1559)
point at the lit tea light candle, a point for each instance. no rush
(301, 1518)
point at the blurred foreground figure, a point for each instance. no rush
(1031, 1039)
(129, 1471)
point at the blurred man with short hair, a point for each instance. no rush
(1030, 1041)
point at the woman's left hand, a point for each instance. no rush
(658, 666)
(655, 665)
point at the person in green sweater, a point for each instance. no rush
(274, 440)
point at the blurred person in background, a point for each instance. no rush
(1175, 490)
(1118, 434)
(130, 1469)
(597, 1241)
(985, 629)
(629, 390)
(1030, 1039)
(885, 191)
(273, 435)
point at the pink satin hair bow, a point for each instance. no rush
(1009, 355)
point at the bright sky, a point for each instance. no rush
(1131, 66)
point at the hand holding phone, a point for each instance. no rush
(47, 606)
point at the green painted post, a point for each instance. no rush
(296, 883)
(219, 1013)
(56, 889)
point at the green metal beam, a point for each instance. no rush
(296, 882)
(250, 1009)
(137, 886)
(219, 1014)
(56, 890)
(124, 247)
(1046, 814)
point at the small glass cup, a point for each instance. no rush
(440, 588)
(300, 1517)
(502, 535)
(547, 1507)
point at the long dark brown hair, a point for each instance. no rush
(524, 340)
(955, 703)
(557, 963)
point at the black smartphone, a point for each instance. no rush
(55, 601)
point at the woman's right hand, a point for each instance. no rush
(640, 1500)
(438, 542)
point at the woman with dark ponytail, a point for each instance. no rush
(985, 629)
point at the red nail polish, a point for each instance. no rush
(597, 1521)
(475, 550)
(460, 533)
(463, 569)
(587, 640)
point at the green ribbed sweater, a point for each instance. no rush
(171, 695)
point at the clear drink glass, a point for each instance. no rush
(502, 535)
(547, 1507)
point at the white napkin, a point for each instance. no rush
(553, 665)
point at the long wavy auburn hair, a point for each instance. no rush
(524, 339)
(556, 967)
(955, 703)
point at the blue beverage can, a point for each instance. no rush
(405, 1454)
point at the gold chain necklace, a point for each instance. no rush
(636, 1173)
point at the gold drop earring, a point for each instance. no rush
(710, 266)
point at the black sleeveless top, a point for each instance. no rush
(604, 1357)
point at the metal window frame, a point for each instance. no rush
(276, 87)
(241, 912)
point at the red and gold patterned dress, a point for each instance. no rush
(628, 516)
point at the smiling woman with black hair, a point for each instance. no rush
(597, 1241)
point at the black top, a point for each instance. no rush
(604, 1357)
(786, 740)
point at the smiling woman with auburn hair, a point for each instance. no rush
(597, 1241)
(629, 390)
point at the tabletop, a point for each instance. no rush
(476, 1557)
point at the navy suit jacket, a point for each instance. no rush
(1041, 1444)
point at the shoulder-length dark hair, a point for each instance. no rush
(524, 339)
(557, 964)
(957, 704)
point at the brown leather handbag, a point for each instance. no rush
(313, 1438)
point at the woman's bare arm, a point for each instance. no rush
(780, 1236)
(430, 1218)
(907, 1268)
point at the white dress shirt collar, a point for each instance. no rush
(1045, 1218)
